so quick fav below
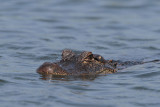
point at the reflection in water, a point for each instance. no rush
(67, 77)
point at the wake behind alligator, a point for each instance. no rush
(83, 64)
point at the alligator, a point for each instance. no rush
(84, 64)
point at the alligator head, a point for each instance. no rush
(85, 63)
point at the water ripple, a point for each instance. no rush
(34, 32)
(152, 48)
(148, 75)
(47, 20)
(142, 88)
(145, 104)
(66, 37)
(3, 82)
(11, 31)
(126, 5)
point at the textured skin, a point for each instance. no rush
(85, 65)
(82, 64)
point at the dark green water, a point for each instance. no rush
(35, 31)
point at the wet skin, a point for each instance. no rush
(83, 64)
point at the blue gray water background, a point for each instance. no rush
(36, 31)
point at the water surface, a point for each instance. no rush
(33, 32)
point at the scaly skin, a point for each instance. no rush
(82, 64)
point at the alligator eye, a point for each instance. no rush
(99, 58)
(90, 56)
(96, 59)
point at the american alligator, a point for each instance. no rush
(85, 63)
